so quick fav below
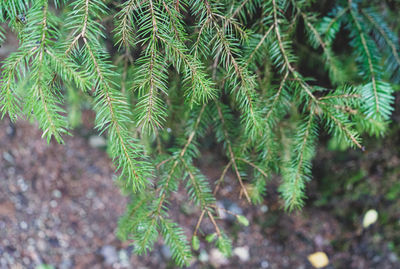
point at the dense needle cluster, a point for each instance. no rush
(162, 74)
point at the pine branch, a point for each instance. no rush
(178, 157)
(231, 154)
(171, 58)
(113, 112)
(175, 238)
(317, 41)
(377, 95)
(68, 70)
(47, 111)
(386, 40)
(335, 19)
(13, 69)
(384, 34)
(198, 187)
(201, 89)
(126, 152)
(11, 9)
(145, 236)
(243, 85)
(273, 106)
(262, 40)
(254, 166)
(339, 125)
(124, 30)
(286, 60)
(369, 57)
(150, 110)
(297, 173)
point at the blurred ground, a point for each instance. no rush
(59, 206)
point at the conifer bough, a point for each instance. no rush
(162, 74)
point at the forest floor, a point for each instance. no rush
(59, 206)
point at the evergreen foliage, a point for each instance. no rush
(188, 69)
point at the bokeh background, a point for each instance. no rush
(59, 206)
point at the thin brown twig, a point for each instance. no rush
(254, 166)
(199, 222)
(232, 155)
(214, 223)
(221, 179)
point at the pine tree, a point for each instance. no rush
(190, 68)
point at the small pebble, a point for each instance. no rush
(41, 245)
(123, 258)
(89, 234)
(166, 252)
(203, 256)
(242, 253)
(264, 208)
(393, 257)
(22, 184)
(264, 264)
(90, 194)
(23, 225)
(66, 264)
(64, 243)
(10, 130)
(8, 157)
(109, 254)
(235, 208)
(11, 171)
(230, 206)
(53, 203)
(97, 141)
(370, 218)
(26, 260)
(217, 259)
(318, 259)
(56, 193)
(221, 213)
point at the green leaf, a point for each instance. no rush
(242, 220)
(224, 245)
(195, 242)
(211, 237)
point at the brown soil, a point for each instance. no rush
(59, 206)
